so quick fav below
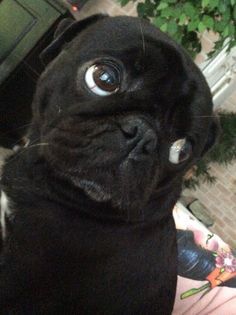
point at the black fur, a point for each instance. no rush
(110, 248)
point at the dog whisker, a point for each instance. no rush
(23, 149)
(59, 110)
(38, 144)
(206, 116)
(16, 129)
(142, 36)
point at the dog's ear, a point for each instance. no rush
(62, 26)
(66, 30)
(213, 134)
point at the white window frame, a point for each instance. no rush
(220, 73)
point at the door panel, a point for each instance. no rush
(22, 24)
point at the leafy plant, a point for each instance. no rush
(184, 20)
(224, 152)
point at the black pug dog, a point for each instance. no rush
(120, 114)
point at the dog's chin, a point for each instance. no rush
(124, 189)
(125, 182)
(93, 190)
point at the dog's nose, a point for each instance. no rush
(140, 137)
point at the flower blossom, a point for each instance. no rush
(227, 261)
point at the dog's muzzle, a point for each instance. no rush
(140, 138)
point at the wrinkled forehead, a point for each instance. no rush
(122, 34)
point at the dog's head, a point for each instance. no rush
(123, 110)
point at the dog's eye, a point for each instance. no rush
(103, 79)
(180, 151)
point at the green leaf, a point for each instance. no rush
(162, 6)
(208, 21)
(227, 15)
(177, 12)
(141, 9)
(167, 12)
(177, 37)
(159, 21)
(233, 2)
(163, 28)
(201, 27)
(234, 13)
(231, 30)
(123, 2)
(172, 28)
(219, 26)
(194, 291)
(226, 32)
(182, 19)
(213, 4)
(193, 25)
(190, 10)
(222, 7)
(205, 3)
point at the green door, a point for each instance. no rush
(22, 24)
